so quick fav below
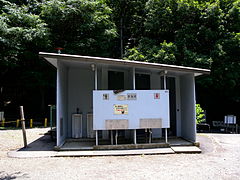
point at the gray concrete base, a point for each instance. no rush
(131, 146)
(89, 144)
(44, 154)
(86, 147)
(116, 152)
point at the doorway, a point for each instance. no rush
(171, 86)
(115, 80)
(142, 81)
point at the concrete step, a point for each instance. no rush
(116, 152)
(186, 149)
(125, 152)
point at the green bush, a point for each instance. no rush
(199, 114)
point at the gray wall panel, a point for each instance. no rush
(187, 93)
(80, 87)
(62, 99)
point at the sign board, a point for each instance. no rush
(120, 109)
(130, 109)
(230, 119)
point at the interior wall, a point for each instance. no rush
(62, 101)
(187, 94)
(178, 107)
(155, 83)
(80, 87)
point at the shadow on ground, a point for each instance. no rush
(6, 176)
(44, 143)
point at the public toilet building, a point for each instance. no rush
(103, 98)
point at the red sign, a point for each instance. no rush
(156, 95)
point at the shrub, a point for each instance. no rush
(200, 117)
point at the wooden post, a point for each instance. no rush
(23, 126)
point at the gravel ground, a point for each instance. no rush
(220, 159)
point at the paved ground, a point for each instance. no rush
(220, 159)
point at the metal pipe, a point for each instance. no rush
(135, 136)
(94, 68)
(134, 80)
(111, 137)
(150, 136)
(165, 87)
(96, 78)
(164, 82)
(116, 137)
(134, 88)
(51, 123)
(96, 137)
(166, 138)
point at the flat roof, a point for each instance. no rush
(53, 57)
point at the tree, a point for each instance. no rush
(22, 35)
(129, 17)
(79, 26)
(196, 33)
(27, 27)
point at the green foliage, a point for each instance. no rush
(80, 26)
(199, 114)
(20, 32)
(129, 17)
(197, 33)
(134, 54)
(194, 33)
(164, 53)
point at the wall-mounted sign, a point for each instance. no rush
(121, 97)
(105, 96)
(156, 95)
(131, 96)
(120, 109)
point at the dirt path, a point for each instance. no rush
(220, 160)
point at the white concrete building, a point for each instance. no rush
(78, 76)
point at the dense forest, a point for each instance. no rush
(197, 33)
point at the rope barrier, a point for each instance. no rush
(18, 120)
(5, 122)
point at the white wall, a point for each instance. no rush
(187, 93)
(62, 101)
(80, 87)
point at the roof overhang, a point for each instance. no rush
(54, 57)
